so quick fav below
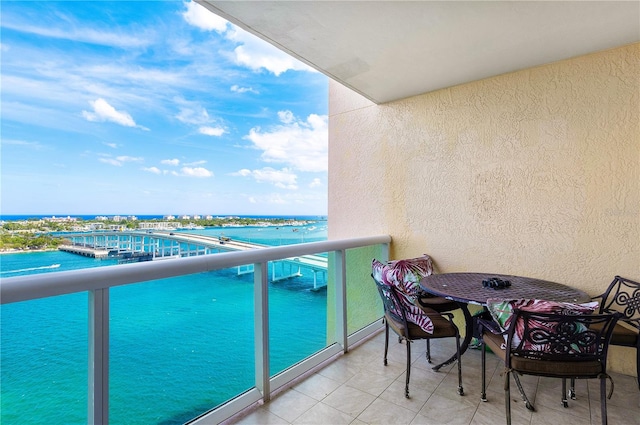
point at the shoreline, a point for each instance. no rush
(25, 251)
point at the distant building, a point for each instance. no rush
(158, 225)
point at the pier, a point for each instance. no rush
(147, 245)
(84, 251)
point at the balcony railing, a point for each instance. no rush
(349, 265)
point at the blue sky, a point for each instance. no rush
(154, 107)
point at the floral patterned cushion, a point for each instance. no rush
(502, 312)
(405, 276)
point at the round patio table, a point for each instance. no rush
(467, 288)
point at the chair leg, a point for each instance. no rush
(527, 403)
(603, 399)
(428, 350)
(638, 361)
(565, 403)
(386, 341)
(460, 389)
(572, 389)
(483, 394)
(406, 388)
(507, 396)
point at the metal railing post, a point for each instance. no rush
(261, 328)
(98, 394)
(341, 299)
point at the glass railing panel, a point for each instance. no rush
(363, 302)
(180, 346)
(297, 310)
(43, 347)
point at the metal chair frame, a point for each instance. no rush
(623, 295)
(393, 311)
(558, 335)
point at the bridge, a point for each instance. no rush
(149, 245)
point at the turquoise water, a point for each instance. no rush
(178, 347)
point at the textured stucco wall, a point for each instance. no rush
(533, 173)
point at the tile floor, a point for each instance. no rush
(358, 389)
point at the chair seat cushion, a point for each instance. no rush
(542, 367)
(439, 304)
(442, 328)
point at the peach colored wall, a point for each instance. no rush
(533, 173)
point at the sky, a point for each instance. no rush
(154, 107)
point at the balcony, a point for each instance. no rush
(343, 382)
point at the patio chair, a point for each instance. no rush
(405, 275)
(396, 317)
(565, 346)
(623, 295)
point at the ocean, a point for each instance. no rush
(178, 347)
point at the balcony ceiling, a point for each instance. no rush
(389, 50)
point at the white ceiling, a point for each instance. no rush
(389, 50)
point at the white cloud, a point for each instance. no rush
(125, 158)
(315, 183)
(237, 89)
(111, 161)
(191, 164)
(192, 113)
(256, 54)
(199, 172)
(211, 131)
(286, 117)
(75, 32)
(200, 17)
(24, 143)
(111, 145)
(284, 179)
(252, 51)
(154, 170)
(103, 111)
(301, 145)
(174, 162)
(119, 160)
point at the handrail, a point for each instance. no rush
(97, 281)
(23, 288)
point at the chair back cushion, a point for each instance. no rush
(404, 276)
(502, 312)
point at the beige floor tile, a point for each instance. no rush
(290, 405)
(455, 409)
(421, 387)
(317, 386)
(549, 397)
(340, 371)
(386, 413)
(322, 414)
(492, 412)
(261, 416)
(371, 383)
(349, 400)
